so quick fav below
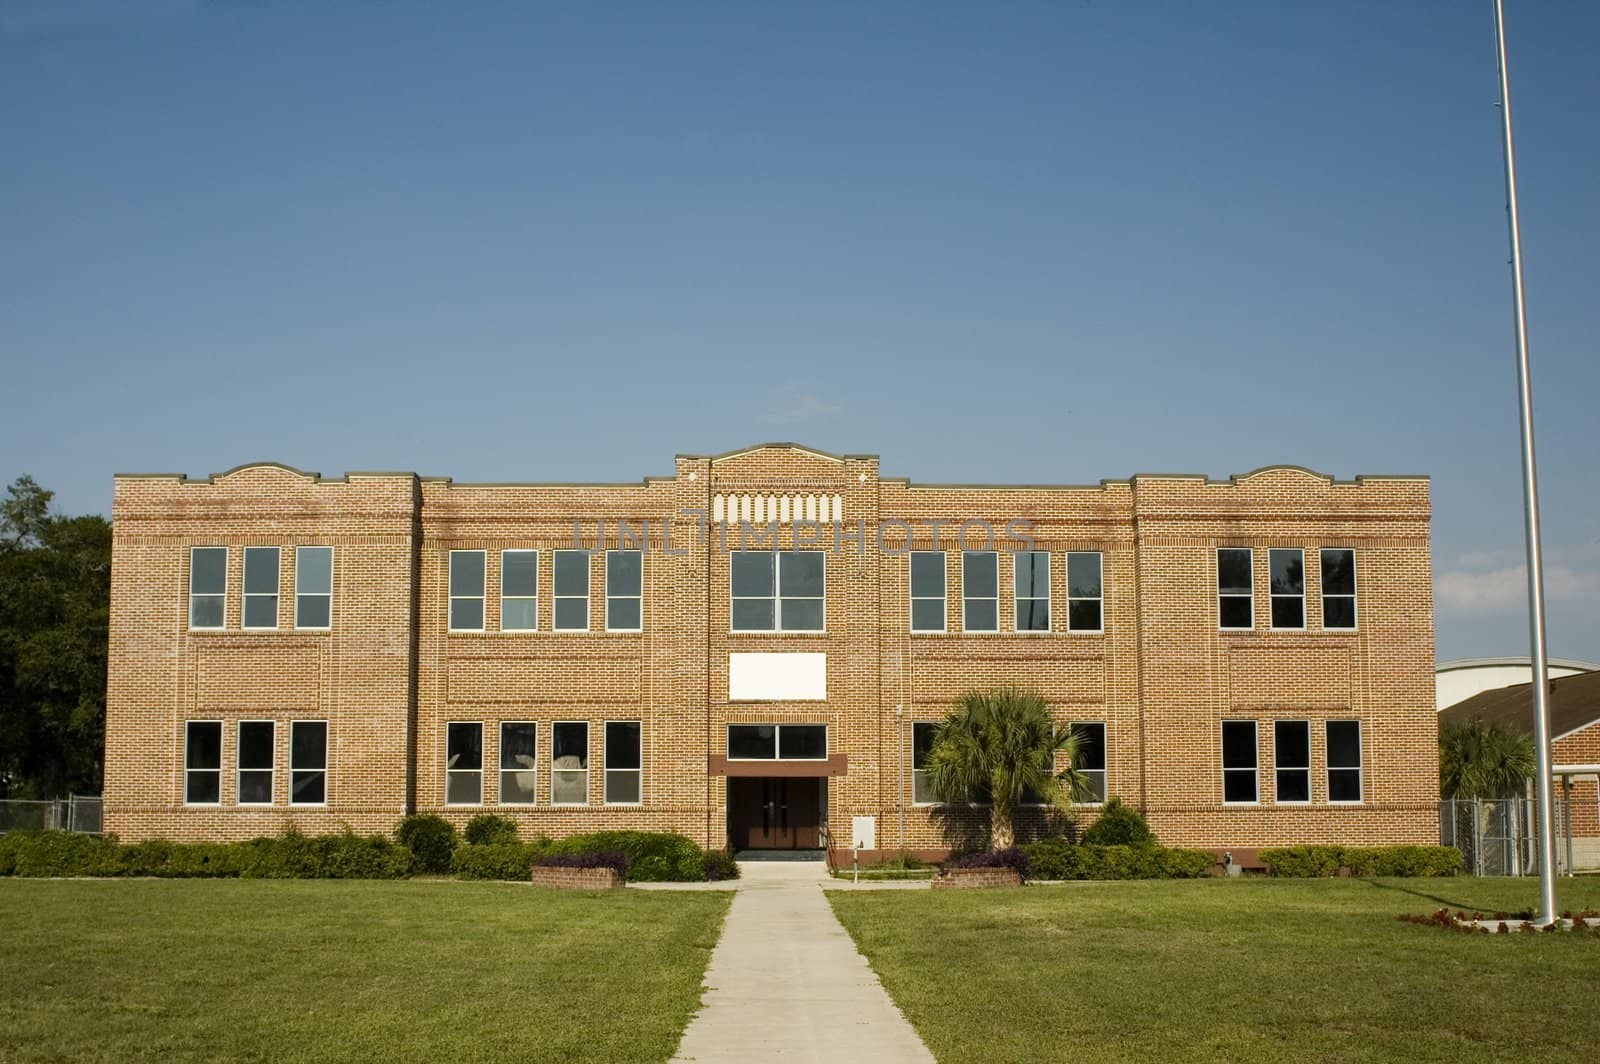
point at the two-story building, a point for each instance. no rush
(754, 649)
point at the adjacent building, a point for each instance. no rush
(754, 649)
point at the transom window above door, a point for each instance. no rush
(777, 742)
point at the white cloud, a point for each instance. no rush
(1469, 591)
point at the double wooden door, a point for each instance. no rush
(775, 813)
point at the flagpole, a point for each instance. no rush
(1530, 504)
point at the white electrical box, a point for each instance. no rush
(863, 833)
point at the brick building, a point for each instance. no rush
(1250, 660)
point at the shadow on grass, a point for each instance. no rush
(1446, 902)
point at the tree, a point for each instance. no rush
(998, 746)
(55, 591)
(1480, 761)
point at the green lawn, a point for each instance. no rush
(1229, 969)
(320, 970)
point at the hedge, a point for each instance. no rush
(500, 860)
(1059, 859)
(652, 857)
(60, 854)
(1316, 861)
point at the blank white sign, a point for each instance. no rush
(777, 677)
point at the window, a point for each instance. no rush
(1092, 757)
(466, 590)
(519, 765)
(313, 587)
(569, 763)
(927, 591)
(571, 591)
(624, 591)
(980, 591)
(1032, 583)
(208, 586)
(255, 762)
(1085, 592)
(463, 764)
(923, 734)
(782, 591)
(1338, 588)
(1291, 760)
(519, 590)
(1236, 603)
(1288, 588)
(623, 762)
(261, 587)
(783, 742)
(1344, 761)
(308, 762)
(1239, 782)
(202, 762)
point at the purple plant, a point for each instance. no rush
(613, 859)
(1007, 858)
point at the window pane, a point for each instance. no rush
(752, 574)
(1097, 785)
(1288, 572)
(466, 572)
(622, 744)
(1083, 615)
(922, 737)
(466, 614)
(308, 745)
(1083, 575)
(802, 615)
(1235, 612)
(569, 788)
(803, 742)
(1344, 785)
(1238, 786)
(980, 574)
(202, 788)
(1338, 572)
(208, 570)
(519, 573)
(312, 611)
(1344, 744)
(927, 574)
(519, 746)
(518, 615)
(982, 615)
(1091, 746)
(752, 615)
(624, 572)
(255, 787)
(570, 743)
(572, 613)
(927, 615)
(203, 748)
(800, 574)
(1294, 785)
(1033, 615)
(1288, 612)
(1238, 744)
(1233, 571)
(623, 614)
(313, 570)
(463, 788)
(261, 611)
(572, 572)
(255, 744)
(260, 570)
(1292, 744)
(1339, 612)
(205, 611)
(464, 746)
(752, 742)
(517, 788)
(921, 789)
(309, 788)
(622, 787)
(1032, 574)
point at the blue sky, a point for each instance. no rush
(1026, 242)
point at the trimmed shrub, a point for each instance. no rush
(1008, 858)
(346, 856)
(1056, 858)
(717, 865)
(289, 856)
(653, 856)
(487, 829)
(612, 859)
(431, 840)
(57, 854)
(1302, 862)
(1403, 860)
(501, 860)
(1119, 825)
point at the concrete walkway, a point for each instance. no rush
(786, 983)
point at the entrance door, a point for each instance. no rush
(768, 813)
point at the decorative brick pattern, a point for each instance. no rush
(389, 674)
(969, 878)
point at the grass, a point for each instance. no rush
(327, 970)
(1231, 970)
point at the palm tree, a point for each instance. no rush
(1479, 761)
(999, 745)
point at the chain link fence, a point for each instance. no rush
(1500, 837)
(75, 813)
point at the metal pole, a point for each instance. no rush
(1530, 502)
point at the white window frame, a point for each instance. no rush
(1221, 594)
(1355, 589)
(533, 598)
(500, 759)
(245, 594)
(1254, 770)
(209, 594)
(272, 764)
(556, 597)
(453, 598)
(327, 742)
(605, 764)
(1359, 768)
(222, 757)
(777, 740)
(942, 599)
(1278, 765)
(778, 597)
(922, 772)
(1273, 596)
(587, 739)
(298, 594)
(637, 598)
(1071, 598)
(966, 598)
(448, 771)
(1104, 771)
(1017, 598)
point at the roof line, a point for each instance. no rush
(1476, 663)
